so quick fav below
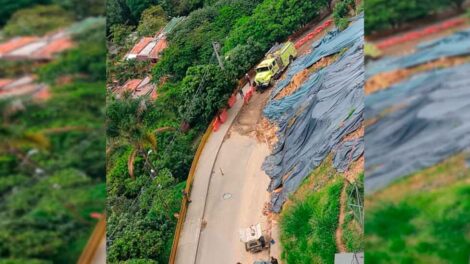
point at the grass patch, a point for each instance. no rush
(310, 218)
(353, 234)
(308, 227)
(423, 218)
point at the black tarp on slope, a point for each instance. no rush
(453, 45)
(330, 107)
(419, 122)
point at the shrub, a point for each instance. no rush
(37, 20)
(383, 14)
(205, 89)
(152, 20)
(272, 21)
(341, 11)
(240, 59)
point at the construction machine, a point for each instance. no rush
(253, 238)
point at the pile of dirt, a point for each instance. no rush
(301, 76)
(295, 83)
(355, 170)
(266, 132)
(339, 231)
(384, 80)
(356, 167)
(250, 116)
(358, 133)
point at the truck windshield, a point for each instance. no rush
(262, 69)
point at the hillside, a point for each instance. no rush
(52, 174)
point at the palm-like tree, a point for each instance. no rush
(16, 141)
(126, 127)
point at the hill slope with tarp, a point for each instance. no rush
(316, 164)
(417, 142)
(421, 120)
(314, 119)
(453, 45)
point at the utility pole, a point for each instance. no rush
(216, 46)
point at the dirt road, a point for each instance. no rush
(100, 254)
(230, 190)
(236, 197)
(237, 192)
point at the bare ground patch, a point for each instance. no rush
(384, 80)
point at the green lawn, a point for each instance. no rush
(310, 218)
(422, 219)
(353, 236)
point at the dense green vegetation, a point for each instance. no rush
(52, 169)
(154, 141)
(421, 219)
(341, 11)
(79, 8)
(153, 18)
(383, 14)
(309, 221)
(129, 12)
(353, 234)
(37, 20)
(310, 218)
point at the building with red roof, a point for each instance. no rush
(23, 86)
(137, 88)
(36, 48)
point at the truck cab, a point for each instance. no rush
(265, 72)
(276, 61)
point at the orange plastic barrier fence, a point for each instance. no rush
(313, 34)
(216, 125)
(232, 100)
(421, 33)
(223, 116)
(249, 94)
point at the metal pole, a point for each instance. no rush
(216, 47)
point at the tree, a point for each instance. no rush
(205, 89)
(83, 8)
(126, 126)
(191, 41)
(9, 7)
(17, 141)
(120, 34)
(37, 20)
(137, 7)
(341, 11)
(117, 12)
(152, 20)
(240, 59)
(272, 21)
(382, 14)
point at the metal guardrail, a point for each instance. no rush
(184, 202)
(94, 242)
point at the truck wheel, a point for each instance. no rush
(262, 241)
(271, 82)
(291, 59)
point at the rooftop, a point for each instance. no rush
(150, 48)
(23, 86)
(137, 88)
(36, 48)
